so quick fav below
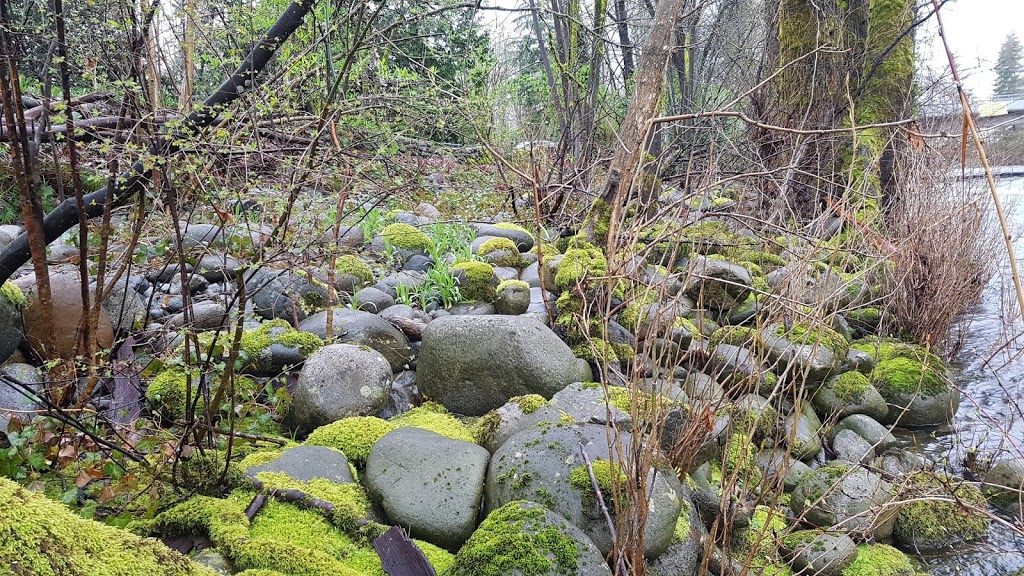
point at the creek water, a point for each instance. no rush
(989, 370)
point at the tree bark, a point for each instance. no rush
(132, 181)
(626, 46)
(643, 106)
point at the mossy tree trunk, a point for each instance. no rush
(840, 63)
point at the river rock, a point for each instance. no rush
(427, 483)
(849, 393)
(372, 300)
(206, 315)
(338, 381)
(523, 239)
(365, 329)
(474, 364)
(12, 328)
(66, 293)
(217, 267)
(527, 538)
(285, 295)
(716, 283)
(846, 495)
(123, 305)
(14, 403)
(820, 552)
(809, 353)
(940, 512)
(513, 299)
(802, 428)
(1004, 482)
(683, 555)
(773, 462)
(867, 428)
(539, 464)
(849, 446)
(305, 463)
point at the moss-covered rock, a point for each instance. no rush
(435, 418)
(167, 393)
(39, 537)
(480, 282)
(526, 539)
(407, 237)
(351, 264)
(941, 511)
(610, 478)
(879, 560)
(353, 436)
(912, 381)
(578, 264)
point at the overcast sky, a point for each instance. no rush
(975, 30)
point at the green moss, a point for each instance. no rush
(879, 560)
(13, 294)
(166, 394)
(547, 250)
(907, 376)
(435, 418)
(633, 313)
(40, 537)
(259, 459)
(596, 350)
(351, 505)
(600, 215)
(609, 476)
(255, 342)
(353, 436)
(516, 539)
(301, 528)
(351, 264)
(851, 386)
(513, 285)
(740, 459)
(406, 236)
(493, 244)
(762, 424)
(735, 336)
(529, 403)
(201, 473)
(480, 281)
(866, 316)
(578, 264)
(815, 334)
(940, 511)
(511, 226)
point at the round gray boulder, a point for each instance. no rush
(819, 552)
(338, 381)
(849, 393)
(362, 328)
(428, 483)
(845, 496)
(474, 364)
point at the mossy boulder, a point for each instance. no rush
(809, 351)
(360, 328)
(167, 393)
(435, 418)
(286, 294)
(40, 537)
(521, 236)
(306, 463)
(477, 281)
(941, 511)
(353, 436)
(275, 345)
(525, 539)
(519, 413)
(406, 237)
(845, 495)
(879, 560)
(359, 272)
(12, 329)
(578, 265)
(512, 297)
(717, 284)
(913, 382)
(501, 252)
(849, 393)
(538, 464)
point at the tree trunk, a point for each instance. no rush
(622, 25)
(643, 106)
(135, 179)
(545, 61)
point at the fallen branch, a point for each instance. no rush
(137, 177)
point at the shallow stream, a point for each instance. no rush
(990, 375)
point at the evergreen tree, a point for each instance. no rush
(1009, 74)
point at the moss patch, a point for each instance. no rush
(480, 281)
(941, 511)
(435, 418)
(851, 386)
(40, 537)
(353, 266)
(12, 293)
(609, 476)
(406, 236)
(879, 560)
(578, 264)
(353, 436)
(517, 539)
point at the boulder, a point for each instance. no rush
(940, 512)
(846, 495)
(12, 328)
(14, 403)
(206, 315)
(474, 364)
(305, 463)
(337, 381)
(526, 538)
(543, 463)
(820, 552)
(364, 329)
(285, 295)
(847, 394)
(808, 352)
(517, 234)
(428, 484)
(717, 284)
(913, 382)
(876, 435)
(1004, 482)
(847, 445)
(66, 293)
(802, 428)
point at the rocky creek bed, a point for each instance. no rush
(449, 394)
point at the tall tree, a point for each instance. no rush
(1009, 74)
